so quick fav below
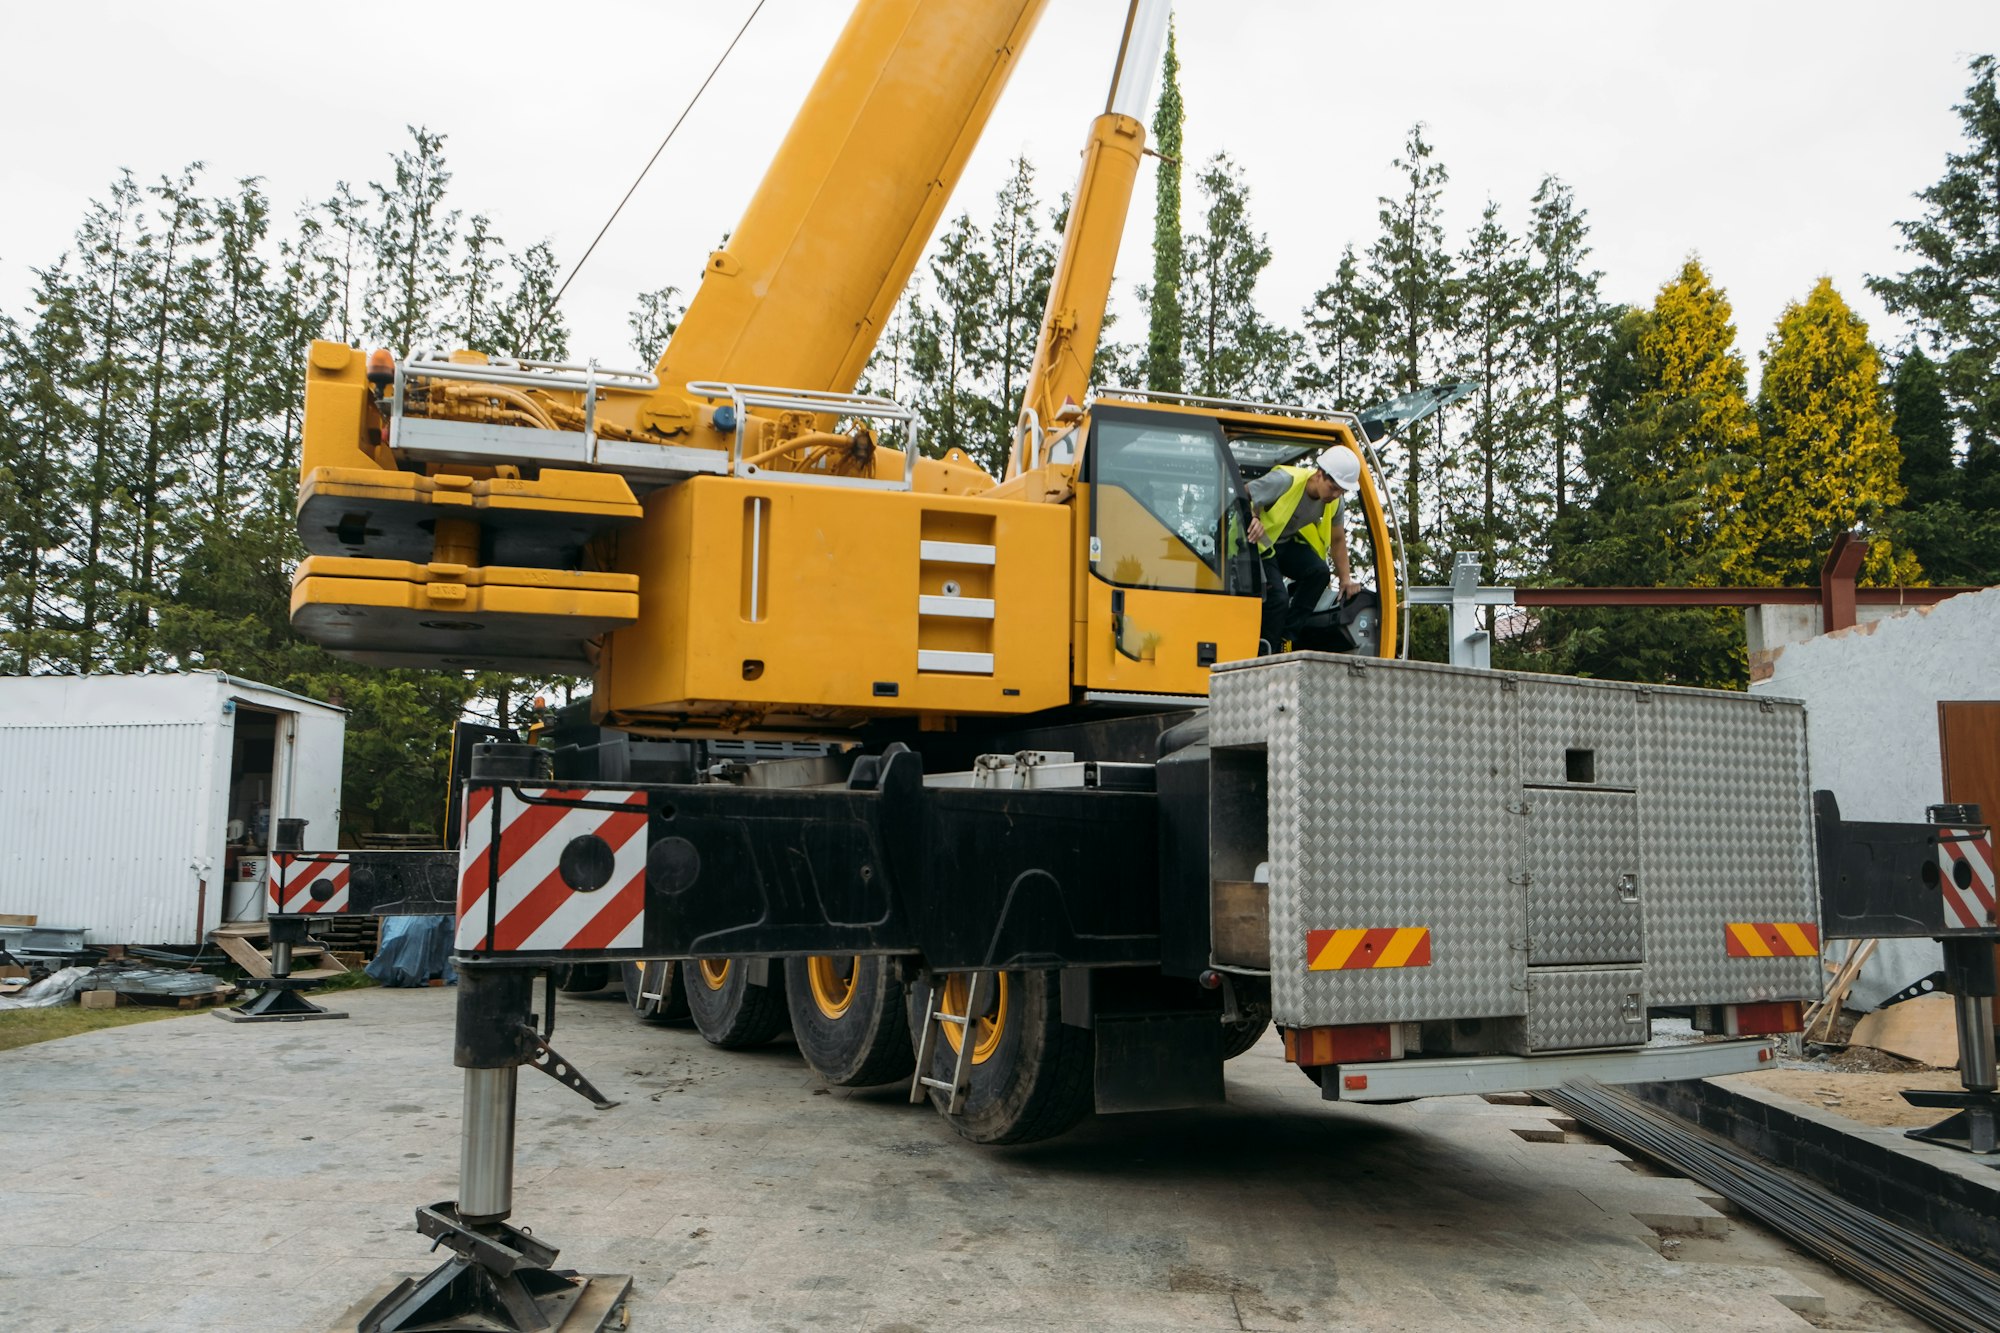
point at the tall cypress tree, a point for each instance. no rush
(1164, 318)
(1824, 457)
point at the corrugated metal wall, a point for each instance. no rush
(103, 827)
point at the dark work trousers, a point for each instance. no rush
(1306, 570)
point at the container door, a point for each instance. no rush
(1586, 979)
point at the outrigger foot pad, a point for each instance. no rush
(498, 1279)
(1976, 1127)
(279, 1001)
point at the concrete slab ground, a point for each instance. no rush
(194, 1174)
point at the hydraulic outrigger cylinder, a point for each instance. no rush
(498, 1275)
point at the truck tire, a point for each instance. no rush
(581, 978)
(850, 1018)
(1240, 1037)
(1032, 1076)
(666, 980)
(730, 1012)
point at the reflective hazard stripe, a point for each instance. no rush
(532, 889)
(1353, 950)
(1771, 939)
(308, 882)
(1969, 906)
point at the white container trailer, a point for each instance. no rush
(129, 804)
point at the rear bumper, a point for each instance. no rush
(1400, 1080)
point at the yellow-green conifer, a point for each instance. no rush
(1826, 457)
(1699, 423)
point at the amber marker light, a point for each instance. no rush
(381, 368)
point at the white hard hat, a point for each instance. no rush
(1341, 464)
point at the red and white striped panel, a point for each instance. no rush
(308, 882)
(535, 909)
(1970, 907)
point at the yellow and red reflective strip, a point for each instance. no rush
(1352, 950)
(1772, 939)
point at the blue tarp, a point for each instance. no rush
(413, 950)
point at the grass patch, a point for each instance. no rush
(354, 979)
(25, 1027)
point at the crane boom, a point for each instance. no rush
(803, 287)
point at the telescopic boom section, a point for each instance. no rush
(805, 284)
(1082, 284)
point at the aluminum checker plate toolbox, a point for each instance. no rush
(1401, 795)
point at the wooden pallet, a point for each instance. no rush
(112, 999)
(241, 941)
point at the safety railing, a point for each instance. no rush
(521, 373)
(819, 402)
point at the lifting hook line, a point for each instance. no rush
(535, 327)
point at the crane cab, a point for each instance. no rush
(1167, 584)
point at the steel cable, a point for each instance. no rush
(555, 300)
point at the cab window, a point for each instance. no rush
(1159, 500)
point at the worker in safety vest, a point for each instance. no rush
(1298, 522)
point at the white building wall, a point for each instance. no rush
(1871, 696)
(113, 795)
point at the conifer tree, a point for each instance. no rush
(1948, 294)
(413, 237)
(479, 285)
(107, 383)
(1923, 429)
(953, 351)
(1567, 324)
(336, 237)
(1696, 414)
(1824, 458)
(653, 318)
(1410, 281)
(1344, 335)
(1230, 350)
(1164, 317)
(174, 287)
(528, 323)
(39, 423)
(1487, 500)
(1666, 442)
(1023, 265)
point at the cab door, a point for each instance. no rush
(1169, 587)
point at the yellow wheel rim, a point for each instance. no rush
(987, 1029)
(834, 978)
(714, 972)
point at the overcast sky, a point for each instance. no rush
(1780, 141)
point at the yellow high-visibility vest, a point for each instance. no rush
(1318, 535)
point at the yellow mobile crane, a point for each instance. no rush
(730, 559)
(992, 766)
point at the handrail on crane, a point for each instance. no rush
(819, 402)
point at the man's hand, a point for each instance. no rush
(1256, 529)
(1348, 587)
